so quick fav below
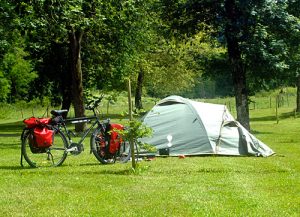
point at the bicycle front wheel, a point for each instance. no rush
(54, 155)
(99, 147)
(124, 153)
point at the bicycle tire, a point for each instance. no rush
(99, 146)
(124, 153)
(54, 155)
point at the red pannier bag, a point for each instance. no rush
(43, 137)
(115, 138)
(34, 122)
(31, 122)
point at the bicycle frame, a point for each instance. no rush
(86, 132)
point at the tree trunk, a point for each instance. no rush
(238, 70)
(75, 38)
(66, 97)
(139, 90)
(298, 94)
(62, 73)
(66, 79)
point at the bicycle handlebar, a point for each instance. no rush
(94, 103)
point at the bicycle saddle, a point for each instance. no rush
(59, 112)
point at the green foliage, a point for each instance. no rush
(4, 87)
(17, 73)
(177, 65)
(179, 45)
(293, 42)
(136, 130)
(262, 29)
(266, 50)
(168, 75)
(8, 28)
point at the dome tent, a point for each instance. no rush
(186, 127)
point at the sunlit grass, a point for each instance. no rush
(194, 186)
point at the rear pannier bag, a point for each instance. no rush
(31, 122)
(43, 137)
(34, 122)
(33, 145)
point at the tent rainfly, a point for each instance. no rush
(185, 127)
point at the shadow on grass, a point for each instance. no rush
(90, 164)
(282, 116)
(113, 171)
(264, 118)
(106, 116)
(10, 134)
(259, 132)
(116, 172)
(113, 116)
(11, 127)
(122, 172)
(13, 168)
(10, 146)
(227, 170)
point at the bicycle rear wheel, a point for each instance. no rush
(54, 155)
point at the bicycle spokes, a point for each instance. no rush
(44, 157)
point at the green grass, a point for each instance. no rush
(194, 186)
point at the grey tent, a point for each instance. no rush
(186, 127)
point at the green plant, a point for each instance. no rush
(134, 131)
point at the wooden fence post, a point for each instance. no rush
(130, 119)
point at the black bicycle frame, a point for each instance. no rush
(82, 120)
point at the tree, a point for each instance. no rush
(16, 70)
(17, 74)
(168, 72)
(232, 30)
(294, 47)
(70, 20)
(68, 23)
(139, 90)
(247, 28)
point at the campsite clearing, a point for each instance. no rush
(194, 186)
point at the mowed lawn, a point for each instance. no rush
(194, 186)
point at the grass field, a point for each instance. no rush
(194, 186)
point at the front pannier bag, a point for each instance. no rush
(115, 138)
